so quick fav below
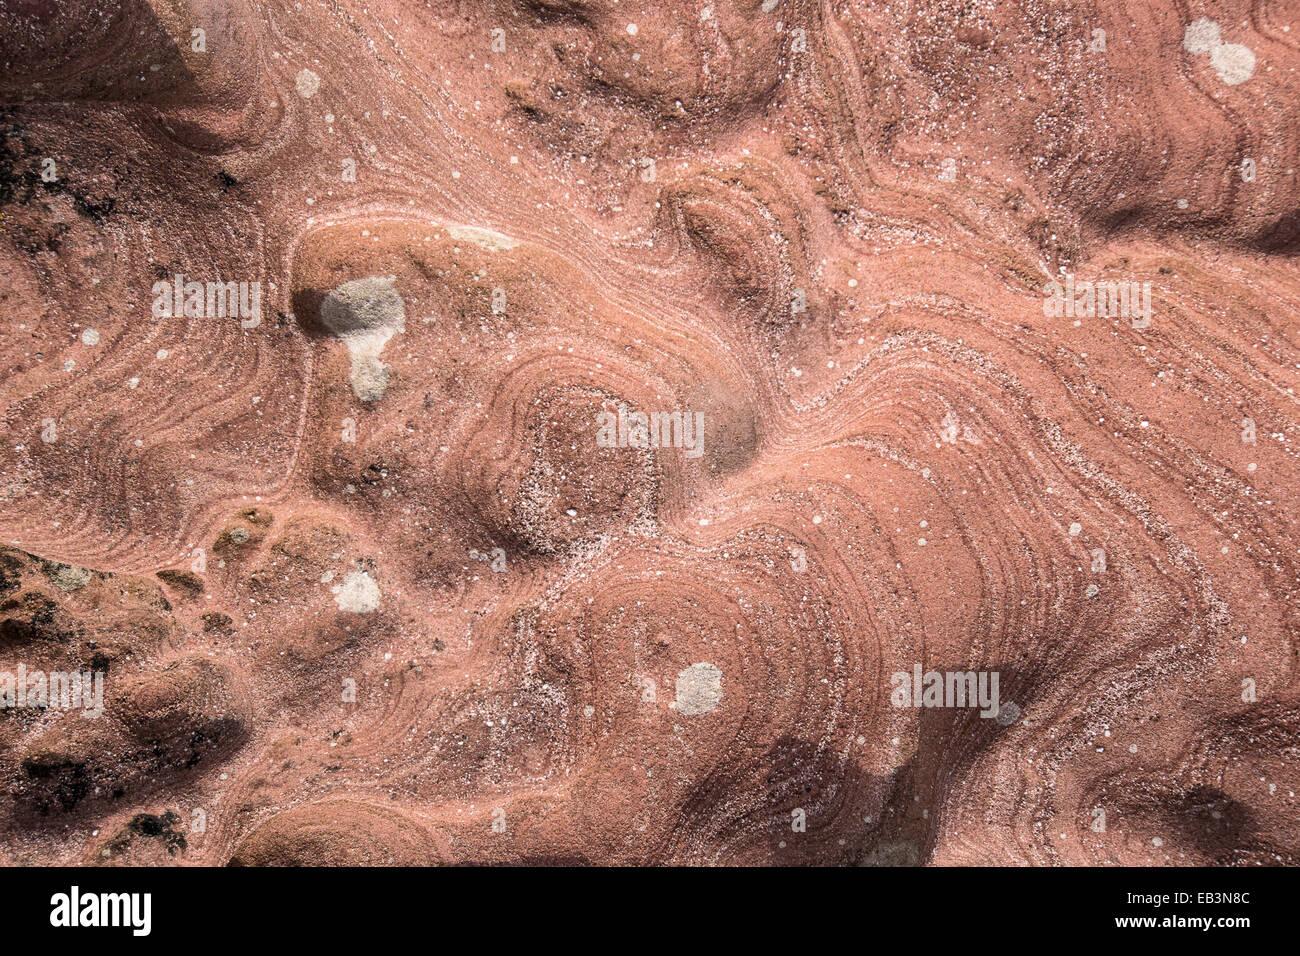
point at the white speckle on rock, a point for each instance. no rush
(90, 336)
(699, 689)
(358, 593)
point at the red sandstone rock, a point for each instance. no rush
(366, 585)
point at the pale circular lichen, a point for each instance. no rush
(358, 593)
(699, 689)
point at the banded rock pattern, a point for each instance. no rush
(363, 583)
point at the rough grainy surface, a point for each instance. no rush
(365, 587)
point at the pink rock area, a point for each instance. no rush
(334, 334)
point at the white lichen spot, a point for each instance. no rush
(358, 593)
(699, 689)
(1201, 36)
(307, 83)
(1234, 63)
(365, 314)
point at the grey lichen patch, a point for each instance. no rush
(365, 314)
(237, 539)
(66, 577)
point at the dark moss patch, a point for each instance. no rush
(187, 582)
(216, 621)
(162, 828)
(57, 781)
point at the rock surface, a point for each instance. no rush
(365, 588)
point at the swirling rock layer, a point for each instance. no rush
(366, 583)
